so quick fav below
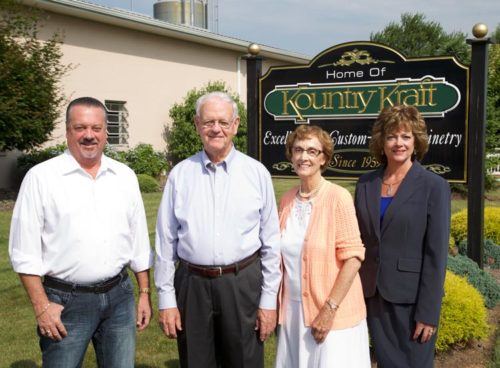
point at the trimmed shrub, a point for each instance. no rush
(463, 315)
(491, 256)
(481, 280)
(491, 224)
(452, 245)
(27, 160)
(115, 155)
(147, 183)
(143, 159)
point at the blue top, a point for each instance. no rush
(384, 203)
(217, 214)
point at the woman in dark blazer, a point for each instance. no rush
(403, 212)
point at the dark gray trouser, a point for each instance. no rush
(391, 328)
(218, 318)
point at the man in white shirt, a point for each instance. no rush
(218, 222)
(78, 224)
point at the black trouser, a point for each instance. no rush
(218, 319)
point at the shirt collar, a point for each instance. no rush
(225, 164)
(70, 164)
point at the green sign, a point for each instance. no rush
(433, 97)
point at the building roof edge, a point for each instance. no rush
(144, 23)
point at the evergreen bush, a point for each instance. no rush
(481, 280)
(143, 159)
(35, 156)
(147, 183)
(491, 250)
(491, 224)
(463, 315)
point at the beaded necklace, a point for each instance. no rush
(312, 192)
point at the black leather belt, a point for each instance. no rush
(217, 271)
(99, 288)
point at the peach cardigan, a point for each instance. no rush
(332, 237)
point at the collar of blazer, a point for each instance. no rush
(407, 188)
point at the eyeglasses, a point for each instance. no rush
(313, 152)
(222, 123)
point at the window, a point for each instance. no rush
(117, 123)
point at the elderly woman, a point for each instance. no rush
(321, 311)
(404, 217)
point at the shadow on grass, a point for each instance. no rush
(24, 364)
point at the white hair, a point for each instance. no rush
(220, 95)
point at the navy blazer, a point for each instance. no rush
(406, 254)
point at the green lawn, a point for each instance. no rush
(19, 346)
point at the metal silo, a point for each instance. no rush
(187, 12)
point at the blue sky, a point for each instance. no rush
(311, 26)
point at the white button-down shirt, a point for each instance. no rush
(68, 225)
(217, 215)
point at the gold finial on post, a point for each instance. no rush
(480, 30)
(254, 49)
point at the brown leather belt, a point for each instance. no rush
(217, 271)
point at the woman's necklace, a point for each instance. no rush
(389, 185)
(312, 192)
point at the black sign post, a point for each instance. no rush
(254, 72)
(477, 129)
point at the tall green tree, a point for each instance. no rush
(493, 101)
(182, 139)
(30, 70)
(417, 36)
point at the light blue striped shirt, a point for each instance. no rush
(217, 215)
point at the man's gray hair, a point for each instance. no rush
(213, 95)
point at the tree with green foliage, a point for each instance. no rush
(493, 101)
(416, 36)
(182, 139)
(30, 71)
